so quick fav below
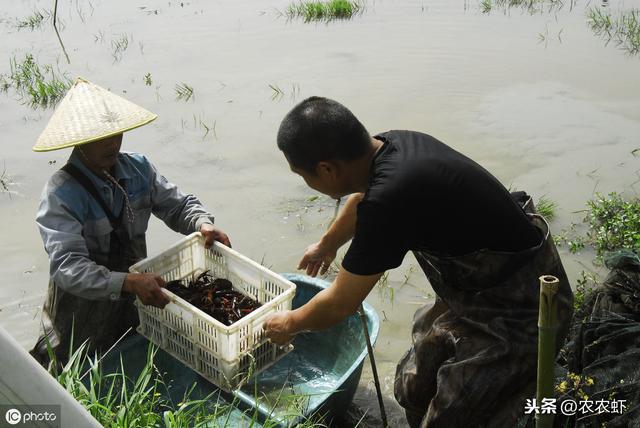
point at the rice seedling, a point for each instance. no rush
(314, 10)
(4, 83)
(546, 207)
(35, 20)
(119, 45)
(300, 223)
(199, 122)
(385, 289)
(530, 6)
(623, 29)
(295, 91)
(211, 127)
(407, 275)
(99, 37)
(277, 93)
(485, 6)
(5, 182)
(30, 81)
(183, 91)
(147, 79)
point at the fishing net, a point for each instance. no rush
(602, 358)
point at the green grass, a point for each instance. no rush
(314, 10)
(117, 401)
(546, 207)
(623, 29)
(35, 20)
(38, 86)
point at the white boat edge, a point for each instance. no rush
(24, 382)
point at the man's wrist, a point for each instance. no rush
(129, 283)
(204, 220)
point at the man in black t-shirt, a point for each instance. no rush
(474, 351)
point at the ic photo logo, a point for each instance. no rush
(13, 416)
(30, 415)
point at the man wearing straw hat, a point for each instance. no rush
(93, 216)
(482, 249)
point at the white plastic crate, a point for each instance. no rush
(222, 354)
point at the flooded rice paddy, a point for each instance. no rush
(542, 98)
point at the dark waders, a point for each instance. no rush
(473, 359)
(101, 322)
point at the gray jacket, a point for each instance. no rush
(75, 230)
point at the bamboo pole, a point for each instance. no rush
(374, 369)
(547, 330)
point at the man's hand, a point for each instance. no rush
(212, 233)
(317, 257)
(147, 287)
(277, 328)
(326, 309)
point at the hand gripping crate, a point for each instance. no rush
(225, 355)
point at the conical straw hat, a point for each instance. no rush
(88, 113)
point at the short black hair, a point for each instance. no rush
(320, 129)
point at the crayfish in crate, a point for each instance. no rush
(214, 296)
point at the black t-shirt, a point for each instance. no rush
(425, 196)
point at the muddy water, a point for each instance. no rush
(538, 99)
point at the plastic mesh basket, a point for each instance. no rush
(225, 355)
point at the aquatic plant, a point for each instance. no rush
(585, 284)
(117, 401)
(623, 29)
(546, 207)
(5, 181)
(531, 6)
(30, 81)
(314, 10)
(119, 45)
(485, 6)
(277, 93)
(34, 20)
(385, 289)
(114, 400)
(614, 223)
(183, 91)
(571, 238)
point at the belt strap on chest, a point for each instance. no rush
(85, 182)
